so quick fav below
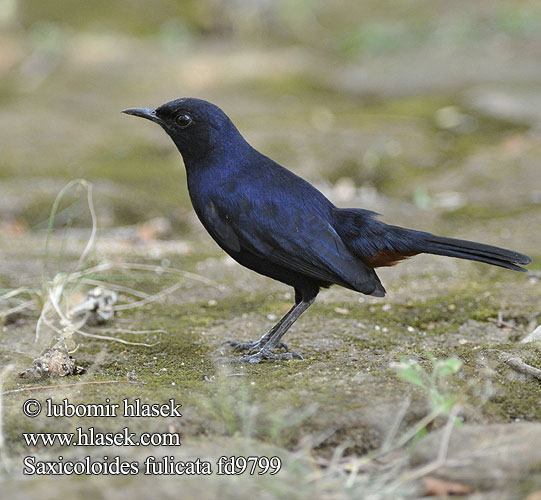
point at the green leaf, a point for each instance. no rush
(411, 372)
(448, 366)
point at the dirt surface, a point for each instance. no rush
(447, 147)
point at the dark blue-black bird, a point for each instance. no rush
(277, 224)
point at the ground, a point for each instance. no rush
(450, 159)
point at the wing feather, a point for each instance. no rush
(300, 240)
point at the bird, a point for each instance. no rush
(279, 225)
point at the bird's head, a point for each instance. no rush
(197, 127)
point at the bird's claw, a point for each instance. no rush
(242, 346)
(262, 355)
(251, 347)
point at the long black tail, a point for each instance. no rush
(471, 250)
(379, 244)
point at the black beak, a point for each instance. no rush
(148, 113)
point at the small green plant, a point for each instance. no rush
(441, 401)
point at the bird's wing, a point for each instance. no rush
(296, 238)
(219, 227)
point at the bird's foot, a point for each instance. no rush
(264, 354)
(251, 347)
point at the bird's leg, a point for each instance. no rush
(288, 320)
(274, 335)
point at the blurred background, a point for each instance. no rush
(425, 110)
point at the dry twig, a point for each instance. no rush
(519, 365)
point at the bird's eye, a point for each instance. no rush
(183, 120)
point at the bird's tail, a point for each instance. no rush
(379, 244)
(471, 250)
